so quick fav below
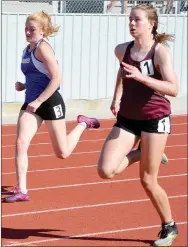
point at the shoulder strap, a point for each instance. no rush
(127, 52)
(39, 42)
(151, 53)
(24, 51)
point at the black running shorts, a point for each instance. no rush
(51, 109)
(156, 125)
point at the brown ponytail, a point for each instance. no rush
(161, 37)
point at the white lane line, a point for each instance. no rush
(178, 115)
(86, 235)
(47, 143)
(94, 140)
(86, 206)
(46, 132)
(178, 134)
(47, 155)
(52, 154)
(70, 168)
(103, 182)
(100, 129)
(54, 169)
(103, 119)
(107, 119)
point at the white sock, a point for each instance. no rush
(24, 191)
(171, 223)
(83, 124)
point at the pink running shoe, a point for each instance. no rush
(90, 122)
(15, 190)
(18, 197)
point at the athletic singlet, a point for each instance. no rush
(36, 74)
(138, 101)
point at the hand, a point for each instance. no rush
(19, 86)
(33, 106)
(114, 107)
(133, 72)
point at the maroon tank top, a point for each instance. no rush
(139, 101)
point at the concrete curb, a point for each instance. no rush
(97, 108)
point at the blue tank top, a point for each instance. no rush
(36, 74)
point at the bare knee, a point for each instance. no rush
(149, 183)
(62, 155)
(105, 173)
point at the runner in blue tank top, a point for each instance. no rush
(145, 76)
(36, 74)
(43, 102)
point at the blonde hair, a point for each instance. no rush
(152, 16)
(45, 22)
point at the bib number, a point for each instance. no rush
(58, 111)
(164, 125)
(147, 67)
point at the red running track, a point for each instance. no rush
(71, 206)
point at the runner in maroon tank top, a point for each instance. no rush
(149, 104)
(145, 76)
